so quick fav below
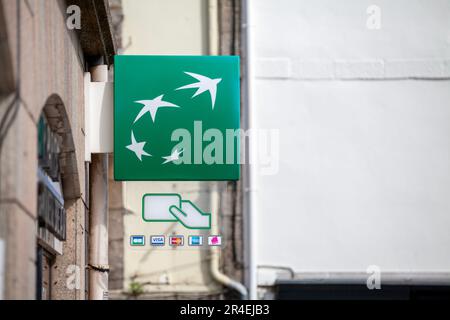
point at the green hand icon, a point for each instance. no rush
(169, 207)
(190, 216)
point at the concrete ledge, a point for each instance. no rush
(376, 69)
(96, 34)
(393, 278)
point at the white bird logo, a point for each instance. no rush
(203, 84)
(138, 148)
(173, 157)
(152, 107)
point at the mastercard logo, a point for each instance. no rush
(176, 240)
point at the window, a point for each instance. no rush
(51, 213)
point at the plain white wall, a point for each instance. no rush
(364, 119)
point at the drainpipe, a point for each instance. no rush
(213, 27)
(98, 230)
(249, 168)
(215, 251)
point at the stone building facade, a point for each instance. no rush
(44, 178)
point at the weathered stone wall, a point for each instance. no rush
(115, 229)
(47, 60)
(115, 188)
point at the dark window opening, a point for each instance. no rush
(51, 227)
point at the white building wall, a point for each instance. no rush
(364, 120)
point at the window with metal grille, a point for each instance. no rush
(51, 212)
(48, 149)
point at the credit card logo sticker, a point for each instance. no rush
(215, 240)
(137, 240)
(157, 240)
(176, 241)
(195, 240)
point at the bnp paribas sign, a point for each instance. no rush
(176, 118)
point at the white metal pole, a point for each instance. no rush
(250, 168)
(98, 244)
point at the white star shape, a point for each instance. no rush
(173, 157)
(138, 147)
(204, 84)
(152, 107)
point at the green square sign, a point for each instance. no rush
(176, 118)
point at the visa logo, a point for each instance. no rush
(137, 240)
(176, 240)
(195, 240)
(157, 240)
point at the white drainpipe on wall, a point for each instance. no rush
(98, 244)
(249, 170)
(215, 251)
